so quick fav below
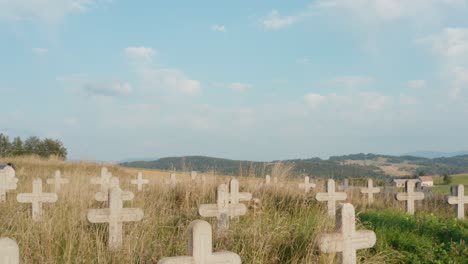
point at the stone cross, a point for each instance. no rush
(307, 185)
(103, 181)
(8, 181)
(173, 180)
(459, 199)
(370, 190)
(410, 196)
(36, 198)
(222, 210)
(267, 180)
(9, 251)
(115, 215)
(57, 181)
(237, 196)
(193, 175)
(331, 197)
(103, 195)
(346, 241)
(200, 248)
(139, 181)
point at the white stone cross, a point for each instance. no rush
(267, 180)
(8, 181)
(346, 240)
(103, 195)
(57, 181)
(193, 175)
(307, 185)
(331, 197)
(235, 195)
(370, 190)
(103, 180)
(410, 196)
(36, 198)
(172, 180)
(200, 248)
(9, 251)
(459, 199)
(139, 181)
(222, 210)
(115, 216)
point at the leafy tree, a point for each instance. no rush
(5, 145)
(447, 179)
(16, 147)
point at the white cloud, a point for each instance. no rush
(351, 81)
(314, 99)
(71, 121)
(40, 51)
(238, 86)
(416, 84)
(459, 81)
(218, 28)
(171, 79)
(449, 43)
(84, 85)
(140, 53)
(407, 100)
(303, 60)
(275, 21)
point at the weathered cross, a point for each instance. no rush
(459, 199)
(139, 181)
(103, 195)
(115, 215)
(36, 198)
(370, 190)
(267, 180)
(346, 240)
(307, 185)
(8, 181)
(200, 248)
(103, 180)
(57, 181)
(172, 180)
(9, 251)
(235, 195)
(193, 175)
(410, 196)
(222, 210)
(331, 197)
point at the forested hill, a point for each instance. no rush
(356, 165)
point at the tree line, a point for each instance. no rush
(31, 146)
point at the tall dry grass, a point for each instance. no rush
(283, 230)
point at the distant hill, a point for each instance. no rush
(436, 154)
(355, 165)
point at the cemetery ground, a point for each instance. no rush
(284, 228)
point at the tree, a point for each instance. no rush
(5, 145)
(16, 147)
(32, 146)
(447, 178)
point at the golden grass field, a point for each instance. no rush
(283, 230)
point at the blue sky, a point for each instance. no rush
(236, 79)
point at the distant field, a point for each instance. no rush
(445, 188)
(392, 169)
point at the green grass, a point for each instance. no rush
(423, 238)
(440, 187)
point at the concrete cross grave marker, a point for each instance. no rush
(37, 198)
(307, 185)
(57, 181)
(346, 241)
(331, 197)
(103, 180)
(410, 196)
(267, 180)
(370, 190)
(172, 180)
(9, 251)
(235, 195)
(200, 248)
(193, 175)
(222, 210)
(8, 181)
(139, 181)
(103, 195)
(458, 199)
(115, 216)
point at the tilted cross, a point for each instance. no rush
(36, 198)
(235, 195)
(459, 199)
(200, 248)
(222, 210)
(370, 190)
(9, 251)
(139, 181)
(410, 196)
(331, 197)
(103, 195)
(8, 181)
(115, 215)
(57, 181)
(307, 185)
(346, 240)
(103, 180)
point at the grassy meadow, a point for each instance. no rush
(282, 229)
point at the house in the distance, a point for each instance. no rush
(426, 181)
(400, 182)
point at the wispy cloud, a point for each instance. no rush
(218, 28)
(140, 53)
(275, 21)
(86, 86)
(40, 51)
(238, 86)
(350, 81)
(416, 84)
